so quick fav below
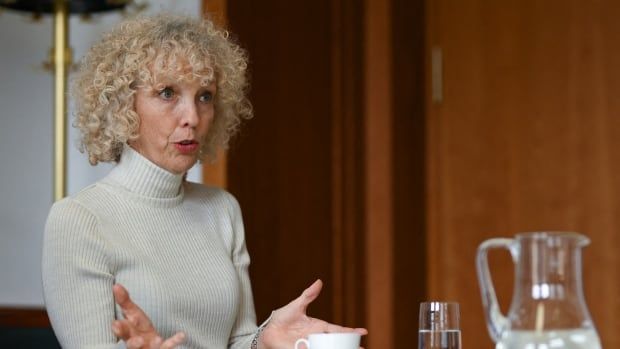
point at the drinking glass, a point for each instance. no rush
(439, 326)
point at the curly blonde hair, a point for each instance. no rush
(126, 59)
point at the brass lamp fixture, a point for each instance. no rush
(61, 61)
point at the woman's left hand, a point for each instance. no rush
(290, 322)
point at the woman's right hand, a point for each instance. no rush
(136, 329)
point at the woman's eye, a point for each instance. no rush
(206, 97)
(166, 93)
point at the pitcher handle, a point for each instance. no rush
(497, 323)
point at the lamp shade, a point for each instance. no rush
(73, 6)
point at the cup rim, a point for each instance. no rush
(440, 302)
(328, 334)
(428, 319)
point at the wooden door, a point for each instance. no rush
(333, 163)
(524, 138)
(295, 167)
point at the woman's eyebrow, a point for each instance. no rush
(165, 81)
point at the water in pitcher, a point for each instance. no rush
(565, 339)
(449, 339)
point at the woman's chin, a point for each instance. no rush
(181, 166)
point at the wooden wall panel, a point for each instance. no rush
(279, 169)
(525, 139)
(408, 167)
(347, 155)
(372, 143)
(379, 218)
(294, 166)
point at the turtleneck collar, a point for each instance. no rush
(139, 175)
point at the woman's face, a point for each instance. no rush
(174, 119)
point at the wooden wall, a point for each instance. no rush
(522, 139)
(334, 160)
(525, 139)
(409, 167)
(295, 166)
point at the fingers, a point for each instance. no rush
(173, 341)
(131, 311)
(135, 343)
(156, 343)
(136, 330)
(297, 307)
(361, 331)
(170, 343)
(138, 342)
(121, 330)
(309, 295)
(336, 328)
(121, 296)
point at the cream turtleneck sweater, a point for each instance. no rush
(178, 248)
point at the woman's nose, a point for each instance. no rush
(190, 117)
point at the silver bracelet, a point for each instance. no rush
(260, 330)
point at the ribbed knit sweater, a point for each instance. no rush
(177, 247)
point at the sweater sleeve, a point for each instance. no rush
(245, 325)
(77, 281)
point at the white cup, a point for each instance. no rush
(348, 340)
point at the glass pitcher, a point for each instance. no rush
(548, 309)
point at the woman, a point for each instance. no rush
(155, 95)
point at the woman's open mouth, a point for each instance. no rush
(187, 146)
